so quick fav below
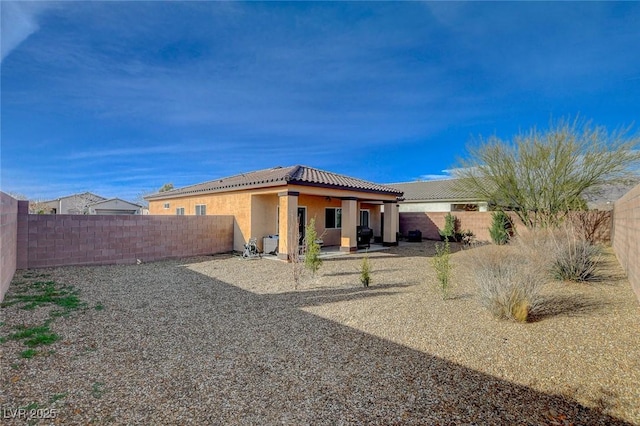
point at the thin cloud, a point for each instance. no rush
(435, 177)
(19, 21)
(126, 152)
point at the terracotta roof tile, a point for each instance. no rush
(302, 175)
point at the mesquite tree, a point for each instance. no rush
(542, 175)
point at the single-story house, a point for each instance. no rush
(115, 206)
(437, 196)
(276, 201)
(89, 203)
(72, 204)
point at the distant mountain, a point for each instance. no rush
(604, 198)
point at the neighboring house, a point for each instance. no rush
(72, 204)
(437, 196)
(115, 206)
(277, 201)
(89, 203)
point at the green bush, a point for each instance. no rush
(312, 259)
(501, 228)
(448, 233)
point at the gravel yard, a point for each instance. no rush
(221, 340)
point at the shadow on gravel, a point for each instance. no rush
(356, 272)
(568, 305)
(246, 358)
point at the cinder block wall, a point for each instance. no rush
(8, 240)
(430, 222)
(626, 235)
(59, 240)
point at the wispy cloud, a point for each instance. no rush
(434, 177)
(19, 20)
(190, 91)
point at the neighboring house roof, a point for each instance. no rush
(434, 190)
(89, 196)
(299, 175)
(112, 200)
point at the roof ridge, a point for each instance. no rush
(75, 195)
(220, 179)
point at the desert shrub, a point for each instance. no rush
(509, 281)
(312, 259)
(593, 225)
(501, 227)
(365, 271)
(448, 233)
(442, 264)
(574, 257)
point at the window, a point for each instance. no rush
(201, 210)
(180, 211)
(332, 218)
(464, 207)
(364, 218)
(166, 206)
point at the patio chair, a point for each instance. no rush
(251, 249)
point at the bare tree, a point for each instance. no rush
(542, 175)
(166, 187)
(79, 203)
(39, 207)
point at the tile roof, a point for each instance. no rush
(434, 190)
(301, 175)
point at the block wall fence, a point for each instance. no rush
(38, 241)
(8, 240)
(626, 235)
(429, 223)
(34, 241)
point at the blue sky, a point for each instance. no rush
(119, 98)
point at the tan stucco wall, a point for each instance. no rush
(237, 204)
(316, 209)
(255, 210)
(264, 216)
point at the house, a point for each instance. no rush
(72, 204)
(89, 203)
(282, 200)
(437, 196)
(114, 206)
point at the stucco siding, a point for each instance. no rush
(236, 204)
(264, 216)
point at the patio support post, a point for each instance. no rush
(288, 222)
(349, 233)
(391, 224)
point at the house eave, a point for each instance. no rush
(273, 184)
